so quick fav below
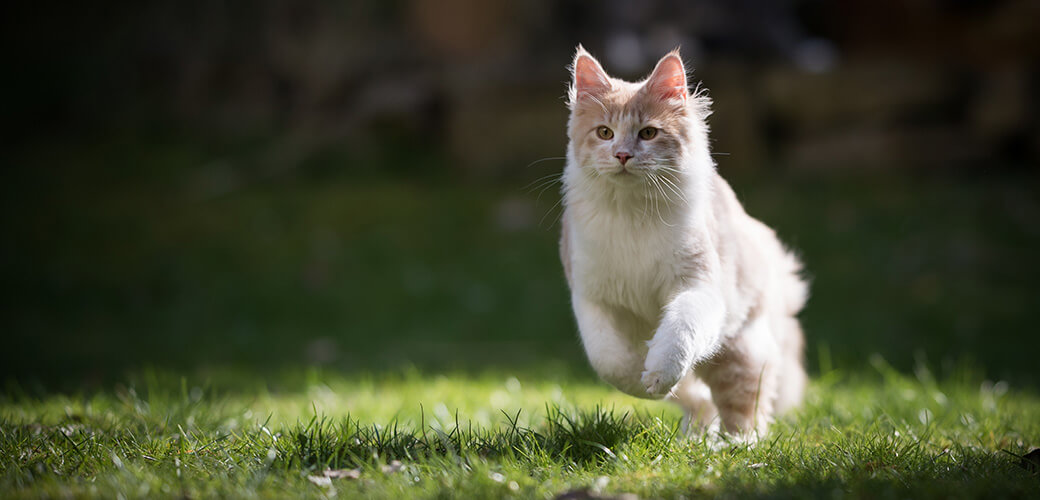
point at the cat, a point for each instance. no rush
(677, 292)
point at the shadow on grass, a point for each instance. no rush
(584, 437)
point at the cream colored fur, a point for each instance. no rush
(676, 290)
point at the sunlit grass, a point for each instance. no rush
(874, 435)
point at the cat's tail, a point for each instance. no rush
(792, 340)
(796, 289)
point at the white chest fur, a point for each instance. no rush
(626, 261)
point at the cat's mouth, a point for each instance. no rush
(622, 172)
(624, 177)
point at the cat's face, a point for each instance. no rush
(627, 131)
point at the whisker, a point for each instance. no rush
(667, 167)
(674, 189)
(657, 204)
(543, 184)
(542, 221)
(671, 182)
(550, 158)
(546, 188)
(657, 181)
(558, 217)
(646, 199)
(552, 177)
(666, 186)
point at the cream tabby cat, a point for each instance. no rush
(676, 290)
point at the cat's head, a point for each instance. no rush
(623, 131)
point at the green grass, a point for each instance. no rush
(179, 324)
(884, 435)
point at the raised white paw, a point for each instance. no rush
(667, 360)
(660, 382)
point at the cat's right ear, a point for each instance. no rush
(589, 79)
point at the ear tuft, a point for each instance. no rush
(668, 80)
(589, 79)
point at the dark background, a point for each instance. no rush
(361, 186)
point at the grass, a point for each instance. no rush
(885, 435)
(196, 329)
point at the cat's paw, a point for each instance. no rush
(667, 359)
(659, 383)
(663, 369)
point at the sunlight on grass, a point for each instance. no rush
(499, 434)
(440, 399)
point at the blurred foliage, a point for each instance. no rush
(117, 257)
(196, 185)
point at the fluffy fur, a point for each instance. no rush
(676, 290)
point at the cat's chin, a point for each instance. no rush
(623, 177)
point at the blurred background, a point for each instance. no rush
(368, 185)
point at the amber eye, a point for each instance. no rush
(604, 133)
(648, 133)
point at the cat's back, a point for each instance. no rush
(762, 267)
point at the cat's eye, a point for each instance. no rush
(604, 133)
(648, 133)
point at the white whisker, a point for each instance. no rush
(544, 189)
(558, 217)
(674, 189)
(657, 204)
(542, 221)
(553, 177)
(646, 199)
(549, 158)
(660, 186)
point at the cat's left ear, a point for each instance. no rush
(668, 81)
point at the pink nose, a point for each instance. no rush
(622, 156)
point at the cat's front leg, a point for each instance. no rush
(689, 332)
(616, 357)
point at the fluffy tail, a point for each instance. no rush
(796, 290)
(793, 378)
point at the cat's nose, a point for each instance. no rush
(622, 156)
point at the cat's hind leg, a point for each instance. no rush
(743, 381)
(694, 396)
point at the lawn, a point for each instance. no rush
(190, 328)
(884, 435)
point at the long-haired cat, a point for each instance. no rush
(676, 290)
